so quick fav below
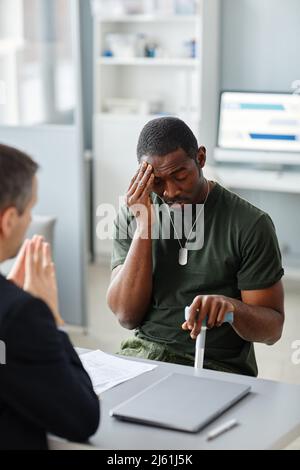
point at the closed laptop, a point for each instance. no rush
(181, 402)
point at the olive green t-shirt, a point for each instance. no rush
(240, 252)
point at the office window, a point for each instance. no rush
(37, 83)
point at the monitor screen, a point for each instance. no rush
(259, 121)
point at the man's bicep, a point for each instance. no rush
(121, 239)
(115, 272)
(271, 297)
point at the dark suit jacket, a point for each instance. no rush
(43, 386)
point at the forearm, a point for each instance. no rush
(257, 324)
(130, 291)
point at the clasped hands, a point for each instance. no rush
(34, 272)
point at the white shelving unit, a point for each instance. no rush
(146, 18)
(151, 62)
(171, 82)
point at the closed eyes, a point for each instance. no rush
(177, 177)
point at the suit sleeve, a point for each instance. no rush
(43, 378)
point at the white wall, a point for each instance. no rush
(260, 44)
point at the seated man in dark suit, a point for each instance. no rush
(43, 386)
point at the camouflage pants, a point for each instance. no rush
(138, 347)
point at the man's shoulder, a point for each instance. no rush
(11, 294)
(238, 207)
(15, 301)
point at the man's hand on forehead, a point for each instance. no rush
(138, 194)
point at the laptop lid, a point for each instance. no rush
(181, 402)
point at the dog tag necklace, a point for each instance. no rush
(183, 251)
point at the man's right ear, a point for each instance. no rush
(8, 221)
(201, 157)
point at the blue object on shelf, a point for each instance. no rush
(107, 53)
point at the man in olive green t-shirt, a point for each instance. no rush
(236, 269)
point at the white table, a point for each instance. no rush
(269, 417)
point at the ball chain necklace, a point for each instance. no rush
(183, 251)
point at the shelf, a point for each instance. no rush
(264, 180)
(148, 62)
(256, 156)
(7, 45)
(150, 19)
(111, 117)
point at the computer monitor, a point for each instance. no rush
(259, 127)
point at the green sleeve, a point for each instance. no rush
(261, 265)
(122, 238)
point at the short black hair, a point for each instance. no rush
(17, 171)
(166, 135)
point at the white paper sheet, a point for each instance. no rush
(108, 371)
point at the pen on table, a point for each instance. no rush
(221, 429)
